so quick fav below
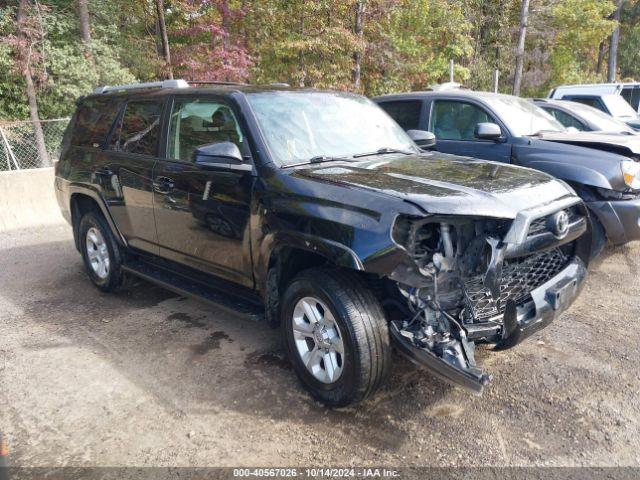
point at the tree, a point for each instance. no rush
(164, 39)
(613, 45)
(25, 45)
(357, 55)
(85, 28)
(517, 79)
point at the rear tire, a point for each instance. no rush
(101, 253)
(342, 355)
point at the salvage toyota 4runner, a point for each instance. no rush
(316, 212)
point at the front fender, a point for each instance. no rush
(336, 253)
(572, 173)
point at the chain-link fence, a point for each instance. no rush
(29, 144)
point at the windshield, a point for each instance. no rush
(601, 120)
(523, 117)
(618, 106)
(299, 126)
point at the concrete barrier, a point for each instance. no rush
(27, 199)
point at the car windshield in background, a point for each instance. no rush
(300, 126)
(523, 117)
(618, 106)
(603, 121)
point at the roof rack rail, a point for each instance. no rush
(137, 86)
(213, 82)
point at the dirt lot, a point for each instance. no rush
(147, 378)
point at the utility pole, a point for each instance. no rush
(524, 16)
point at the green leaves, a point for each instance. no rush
(405, 45)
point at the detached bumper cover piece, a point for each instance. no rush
(620, 219)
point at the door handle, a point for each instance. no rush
(163, 184)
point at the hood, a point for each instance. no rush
(620, 143)
(446, 184)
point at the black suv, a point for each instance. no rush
(317, 212)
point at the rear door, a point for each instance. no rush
(454, 121)
(202, 215)
(406, 113)
(126, 169)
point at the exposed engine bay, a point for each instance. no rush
(475, 283)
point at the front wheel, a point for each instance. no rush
(336, 335)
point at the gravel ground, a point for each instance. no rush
(147, 378)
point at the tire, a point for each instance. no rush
(101, 253)
(351, 316)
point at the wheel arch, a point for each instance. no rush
(83, 200)
(292, 253)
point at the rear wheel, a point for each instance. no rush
(101, 253)
(336, 335)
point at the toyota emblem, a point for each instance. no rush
(559, 224)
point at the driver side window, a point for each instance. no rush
(454, 120)
(197, 122)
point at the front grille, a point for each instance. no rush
(519, 278)
(539, 225)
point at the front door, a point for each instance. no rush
(202, 215)
(453, 122)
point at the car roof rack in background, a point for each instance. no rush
(137, 86)
(445, 86)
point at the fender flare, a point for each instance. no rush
(98, 198)
(335, 252)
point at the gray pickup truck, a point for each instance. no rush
(512, 130)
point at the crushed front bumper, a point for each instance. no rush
(620, 219)
(518, 322)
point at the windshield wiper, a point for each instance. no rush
(382, 151)
(318, 159)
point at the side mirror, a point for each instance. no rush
(217, 154)
(487, 131)
(422, 138)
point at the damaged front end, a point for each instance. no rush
(483, 280)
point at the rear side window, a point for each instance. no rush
(632, 96)
(405, 113)
(93, 122)
(138, 129)
(591, 101)
(566, 119)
